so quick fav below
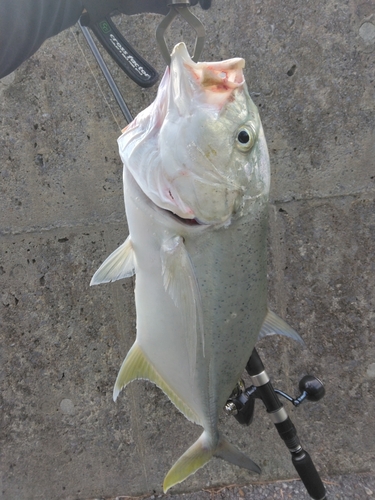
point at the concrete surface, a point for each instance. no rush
(349, 487)
(311, 69)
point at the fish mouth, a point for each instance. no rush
(196, 222)
(186, 222)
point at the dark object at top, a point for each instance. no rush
(98, 18)
(22, 35)
(132, 63)
(205, 4)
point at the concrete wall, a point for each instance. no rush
(311, 69)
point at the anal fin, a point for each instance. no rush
(136, 365)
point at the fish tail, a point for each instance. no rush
(231, 454)
(193, 459)
(200, 453)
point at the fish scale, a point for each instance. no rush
(196, 184)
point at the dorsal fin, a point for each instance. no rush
(274, 325)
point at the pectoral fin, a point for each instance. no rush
(120, 264)
(181, 284)
(137, 366)
(274, 325)
(200, 453)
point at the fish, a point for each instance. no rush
(196, 189)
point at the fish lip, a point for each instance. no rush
(191, 224)
(186, 222)
(195, 224)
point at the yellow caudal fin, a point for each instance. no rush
(193, 459)
(200, 453)
(137, 366)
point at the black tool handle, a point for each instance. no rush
(137, 68)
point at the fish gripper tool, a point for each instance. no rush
(241, 405)
(180, 8)
(121, 51)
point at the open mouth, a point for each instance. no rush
(187, 222)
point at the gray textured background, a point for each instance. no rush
(310, 69)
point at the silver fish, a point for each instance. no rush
(196, 184)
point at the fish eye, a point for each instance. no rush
(245, 138)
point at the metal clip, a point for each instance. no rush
(180, 8)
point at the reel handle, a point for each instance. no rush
(311, 388)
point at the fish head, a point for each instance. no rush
(209, 157)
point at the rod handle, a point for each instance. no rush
(309, 475)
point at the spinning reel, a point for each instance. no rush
(241, 405)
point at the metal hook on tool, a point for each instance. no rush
(180, 8)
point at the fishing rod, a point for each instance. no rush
(107, 75)
(241, 405)
(242, 401)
